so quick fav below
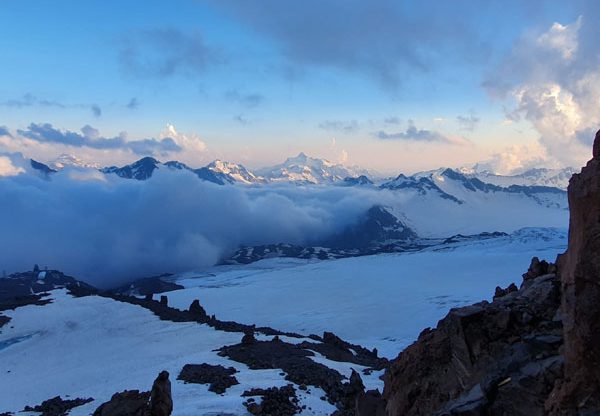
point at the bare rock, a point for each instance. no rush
(218, 377)
(57, 406)
(579, 269)
(161, 402)
(126, 403)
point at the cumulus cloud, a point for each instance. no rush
(7, 168)
(90, 137)
(516, 159)
(192, 143)
(553, 78)
(166, 52)
(111, 230)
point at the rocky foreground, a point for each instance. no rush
(532, 351)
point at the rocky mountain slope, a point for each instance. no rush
(532, 351)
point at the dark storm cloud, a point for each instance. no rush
(90, 137)
(166, 52)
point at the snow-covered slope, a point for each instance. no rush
(557, 178)
(381, 301)
(94, 346)
(234, 171)
(445, 202)
(305, 169)
(69, 161)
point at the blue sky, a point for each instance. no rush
(390, 85)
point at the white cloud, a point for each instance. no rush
(192, 145)
(555, 85)
(562, 38)
(7, 168)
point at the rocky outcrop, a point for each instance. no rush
(161, 402)
(57, 406)
(218, 378)
(157, 402)
(580, 276)
(488, 358)
(532, 351)
(125, 403)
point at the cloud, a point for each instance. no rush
(8, 168)
(4, 131)
(251, 100)
(413, 134)
(190, 143)
(28, 100)
(392, 120)
(187, 224)
(241, 119)
(166, 52)
(340, 126)
(516, 159)
(469, 122)
(90, 137)
(133, 103)
(382, 39)
(96, 110)
(552, 77)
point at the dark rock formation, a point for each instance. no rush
(28, 288)
(161, 402)
(276, 401)
(147, 286)
(126, 403)
(532, 351)
(157, 402)
(4, 320)
(56, 406)
(218, 377)
(488, 358)
(580, 275)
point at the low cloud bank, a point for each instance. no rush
(106, 230)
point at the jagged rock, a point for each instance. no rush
(463, 365)
(248, 338)
(57, 406)
(161, 402)
(126, 403)
(370, 403)
(503, 292)
(218, 377)
(580, 275)
(197, 309)
(164, 300)
(537, 268)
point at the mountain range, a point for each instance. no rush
(303, 169)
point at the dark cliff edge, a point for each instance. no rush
(533, 351)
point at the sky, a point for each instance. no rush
(394, 86)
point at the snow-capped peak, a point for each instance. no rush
(68, 161)
(306, 169)
(237, 172)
